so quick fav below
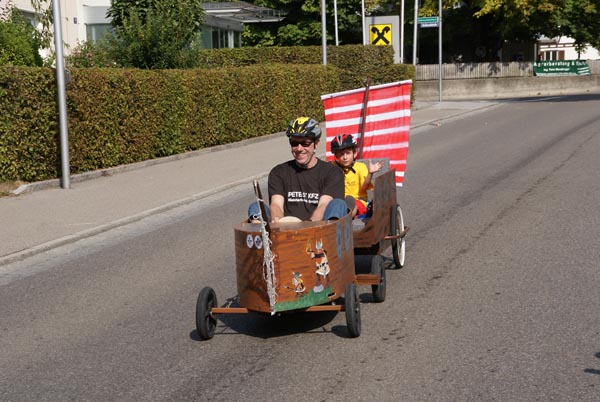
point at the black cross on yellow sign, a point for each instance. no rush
(381, 34)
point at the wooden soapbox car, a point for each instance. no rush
(309, 266)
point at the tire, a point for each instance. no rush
(352, 307)
(398, 245)
(206, 323)
(377, 268)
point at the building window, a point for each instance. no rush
(215, 38)
(553, 55)
(224, 38)
(29, 17)
(220, 39)
(95, 32)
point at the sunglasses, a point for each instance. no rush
(304, 143)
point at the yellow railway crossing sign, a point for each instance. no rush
(380, 34)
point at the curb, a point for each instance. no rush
(40, 248)
(77, 178)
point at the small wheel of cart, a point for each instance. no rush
(352, 307)
(206, 323)
(398, 243)
(377, 268)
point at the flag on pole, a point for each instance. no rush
(387, 123)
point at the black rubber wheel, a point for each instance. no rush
(352, 307)
(398, 245)
(377, 268)
(206, 323)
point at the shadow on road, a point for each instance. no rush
(266, 326)
(593, 371)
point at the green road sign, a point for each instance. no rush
(428, 22)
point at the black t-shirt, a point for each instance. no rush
(302, 188)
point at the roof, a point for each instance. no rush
(243, 12)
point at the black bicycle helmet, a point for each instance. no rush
(342, 141)
(304, 127)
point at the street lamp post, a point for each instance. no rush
(416, 24)
(62, 99)
(335, 21)
(402, 33)
(440, 49)
(323, 32)
(364, 23)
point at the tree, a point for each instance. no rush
(580, 20)
(120, 11)
(45, 17)
(154, 34)
(91, 54)
(490, 23)
(19, 44)
(302, 24)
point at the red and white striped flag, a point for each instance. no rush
(387, 124)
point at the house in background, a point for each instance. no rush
(563, 48)
(224, 21)
(85, 20)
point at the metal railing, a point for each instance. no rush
(456, 71)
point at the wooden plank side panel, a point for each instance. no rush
(313, 265)
(251, 286)
(384, 199)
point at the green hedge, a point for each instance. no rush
(29, 133)
(120, 116)
(357, 61)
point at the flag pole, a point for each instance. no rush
(364, 118)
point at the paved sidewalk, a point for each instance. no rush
(42, 216)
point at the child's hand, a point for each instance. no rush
(375, 167)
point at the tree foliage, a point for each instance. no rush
(18, 43)
(154, 34)
(91, 54)
(45, 17)
(467, 23)
(580, 20)
(302, 24)
(493, 22)
(44, 31)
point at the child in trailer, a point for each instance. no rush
(357, 176)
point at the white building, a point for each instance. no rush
(84, 20)
(563, 48)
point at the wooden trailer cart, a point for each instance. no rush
(385, 226)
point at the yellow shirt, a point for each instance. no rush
(354, 178)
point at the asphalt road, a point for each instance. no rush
(498, 300)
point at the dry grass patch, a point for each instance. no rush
(8, 186)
